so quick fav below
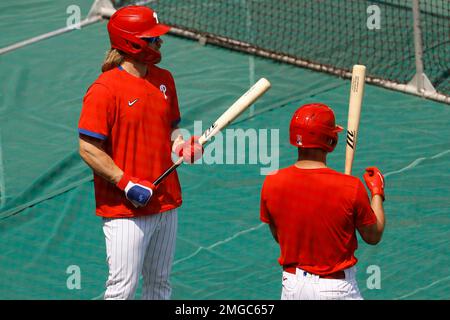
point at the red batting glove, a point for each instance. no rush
(190, 150)
(374, 181)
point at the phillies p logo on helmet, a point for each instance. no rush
(299, 140)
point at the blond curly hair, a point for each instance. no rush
(113, 59)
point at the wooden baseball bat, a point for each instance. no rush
(245, 101)
(354, 113)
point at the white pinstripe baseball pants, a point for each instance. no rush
(306, 286)
(140, 245)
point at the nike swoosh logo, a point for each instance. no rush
(130, 103)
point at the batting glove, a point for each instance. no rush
(138, 192)
(374, 181)
(190, 150)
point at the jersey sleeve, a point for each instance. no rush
(97, 113)
(263, 210)
(364, 214)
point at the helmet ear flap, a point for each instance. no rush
(333, 142)
(134, 45)
(136, 48)
(325, 141)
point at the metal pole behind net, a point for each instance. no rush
(420, 81)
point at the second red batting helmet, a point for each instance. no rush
(314, 126)
(129, 25)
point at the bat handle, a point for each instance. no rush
(168, 171)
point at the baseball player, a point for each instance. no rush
(313, 212)
(129, 114)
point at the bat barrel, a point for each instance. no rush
(354, 114)
(246, 100)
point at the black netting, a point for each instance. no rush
(436, 42)
(326, 32)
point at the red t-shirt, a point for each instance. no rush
(135, 117)
(316, 213)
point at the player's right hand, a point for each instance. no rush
(190, 150)
(138, 192)
(374, 181)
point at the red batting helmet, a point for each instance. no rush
(314, 126)
(126, 28)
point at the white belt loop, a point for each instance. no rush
(350, 273)
(299, 273)
(316, 278)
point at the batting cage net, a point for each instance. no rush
(327, 35)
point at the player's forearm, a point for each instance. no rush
(100, 162)
(377, 206)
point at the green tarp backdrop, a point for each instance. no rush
(47, 221)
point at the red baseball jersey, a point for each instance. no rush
(316, 213)
(135, 118)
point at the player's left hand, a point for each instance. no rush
(137, 191)
(190, 150)
(375, 181)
